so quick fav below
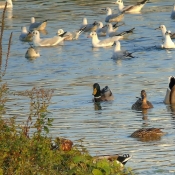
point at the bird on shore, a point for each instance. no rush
(116, 157)
(104, 94)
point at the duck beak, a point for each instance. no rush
(94, 91)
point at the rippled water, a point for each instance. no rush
(71, 69)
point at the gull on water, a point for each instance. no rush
(25, 35)
(112, 29)
(131, 8)
(32, 53)
(102, 29)
(170, 93)
(102, 43)
(71, 35)
(89, 27)
(118, 53)
(37, 25)
(112, 17)
(9, 4)
(173, 12)
(168, 43)
(37, 41)
(163, 29)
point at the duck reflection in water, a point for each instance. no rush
(97, 106)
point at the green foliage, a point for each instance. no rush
(36, 155)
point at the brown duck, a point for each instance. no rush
(102, 95)
(148, 133)
(142, 102)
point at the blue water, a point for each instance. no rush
(72, 68)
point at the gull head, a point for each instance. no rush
(119, 2)
(36, 34)
(92, 35)
(84, 21)
(32, 20)
(23, 29)
(60, 32)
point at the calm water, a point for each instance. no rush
(71, 69)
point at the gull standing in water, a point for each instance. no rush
(37, 41)
(168, 43)
(118, 53)
(25, 35)
(173, 12)
(71, 35)
(102, 43)
(163, 29)
(89, 27)
(9, 4)
(131, 8)
(37, 25)
(112, 17)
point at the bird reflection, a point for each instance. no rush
(97, 106)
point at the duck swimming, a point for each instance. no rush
(142, 102)
(102, 95)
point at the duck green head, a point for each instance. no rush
(96, 90)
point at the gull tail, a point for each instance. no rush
(126, 32)
(81, 30)
(116, 25)
(142, 2)
(129, 55)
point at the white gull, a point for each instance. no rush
(89, 27)
(37, 41)
(32, 53)
(173, 12)
(102, 43)
(112, 17)
(25, 35)
(131, 8)
(37, 25)
(9, 4)
(71, 35)
(163, 29)
(168, 43)
(118, 53)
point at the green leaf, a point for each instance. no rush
(78, 159)
(104, 165)
(46, 129)
(96, 172)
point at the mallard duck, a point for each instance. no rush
(120, 158)
(170, 93)
(142, 102)
(148, 133)
(102, 95)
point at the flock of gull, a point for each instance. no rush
(97, 30)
